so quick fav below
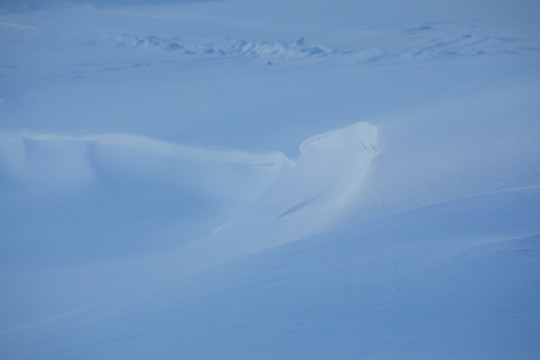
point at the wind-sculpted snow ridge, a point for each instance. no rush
(267, 195)
(234, 48)
(62, 164)
(181, 210)
(168, 179)
(331, 165)
(165, 148)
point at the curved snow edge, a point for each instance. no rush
(163, 147)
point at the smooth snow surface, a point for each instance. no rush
(243, 179)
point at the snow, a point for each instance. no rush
(245, 179)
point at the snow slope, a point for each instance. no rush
(167, 193)
(454, 289)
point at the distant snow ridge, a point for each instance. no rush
(430, 48)
(466, 45)
(238, 47)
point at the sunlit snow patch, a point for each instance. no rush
(329, 171)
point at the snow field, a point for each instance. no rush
(166, 193)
